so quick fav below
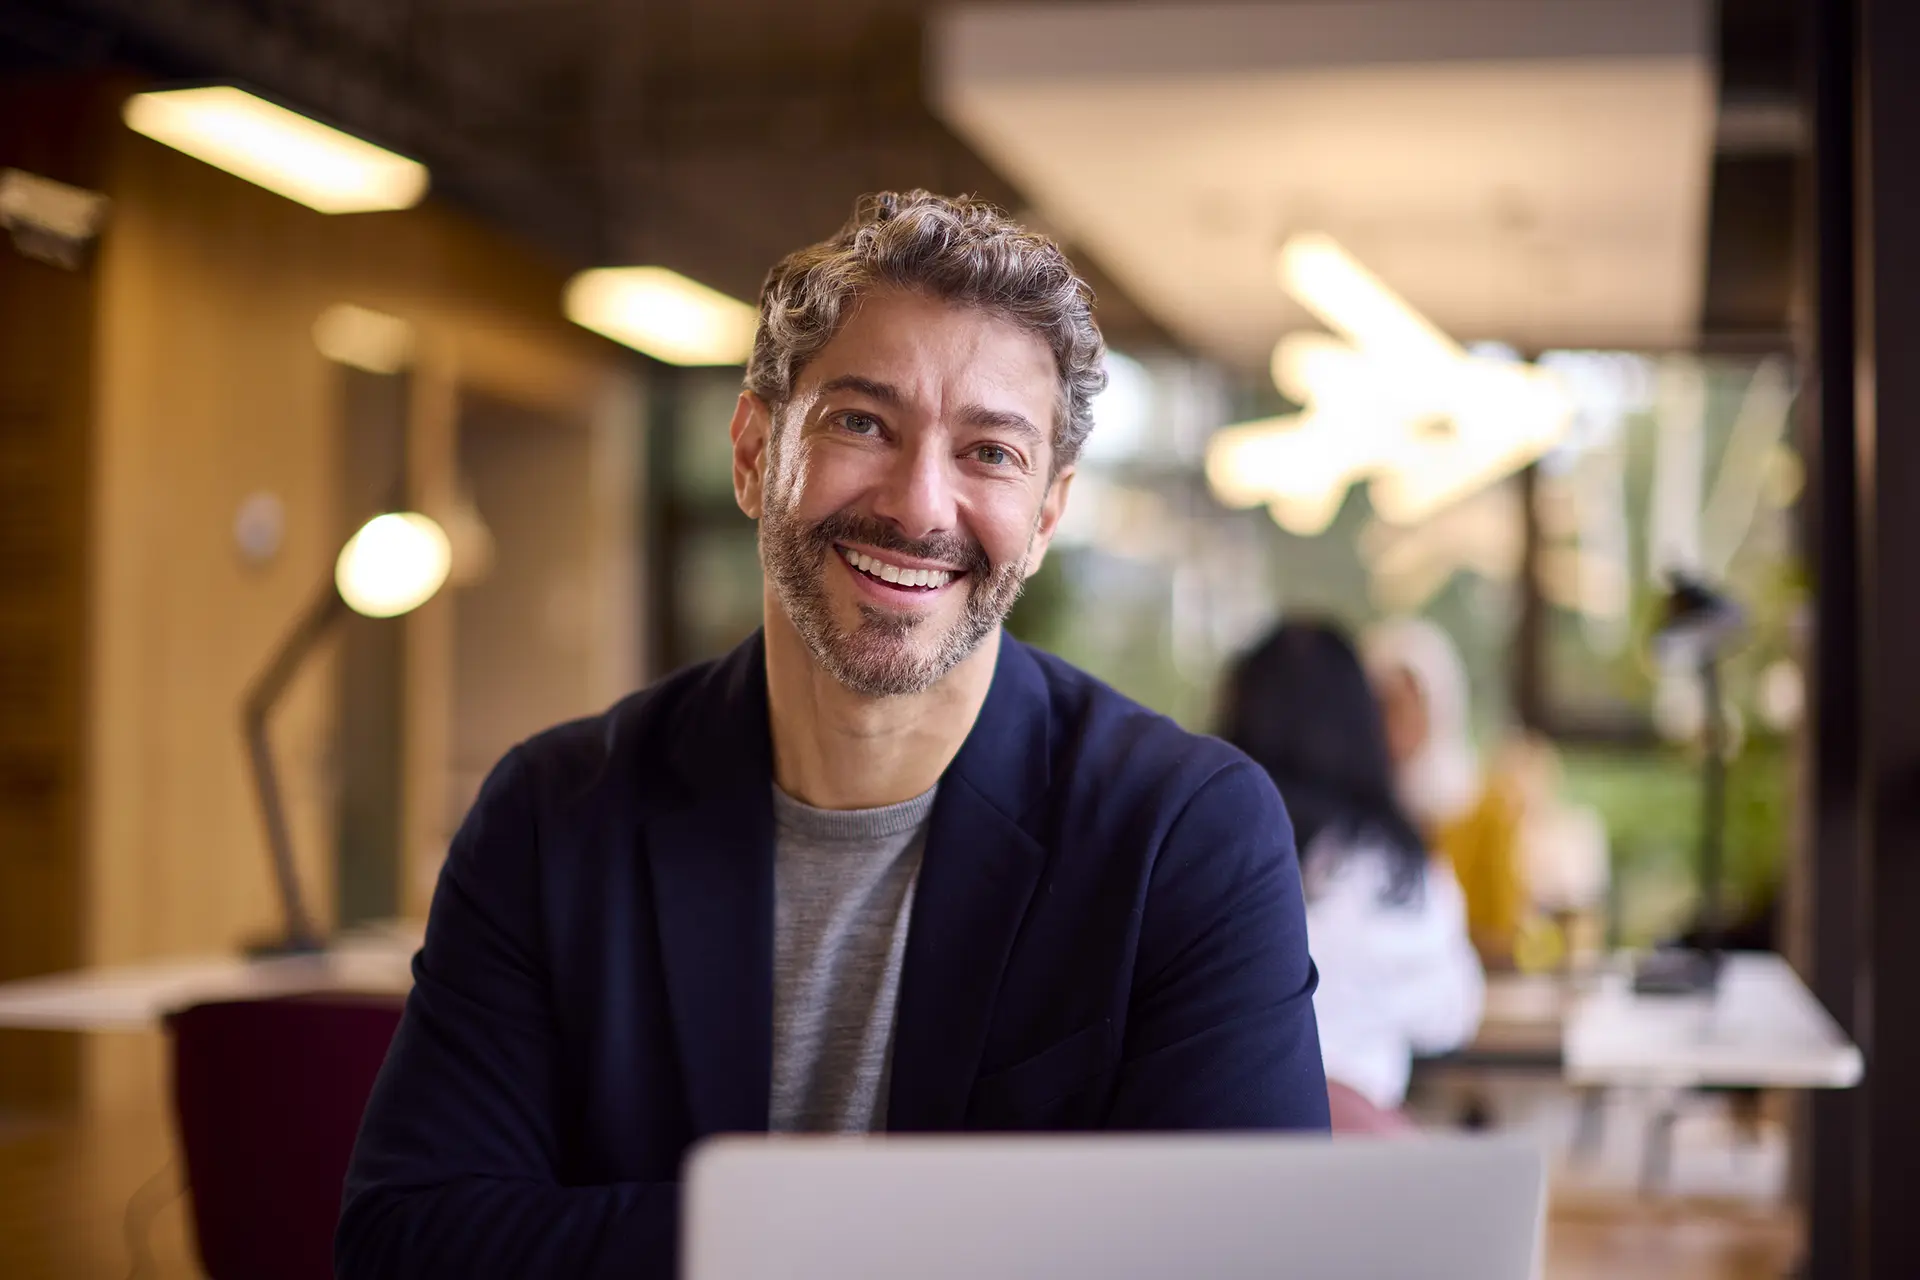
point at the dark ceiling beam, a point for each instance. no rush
(37, 35)
(700, 136)
(1761, 141)
(293, 53)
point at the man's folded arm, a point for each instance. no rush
(1221, 1033)
(454, 1173)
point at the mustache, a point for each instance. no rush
(957, 550)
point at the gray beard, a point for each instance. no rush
(879, 658)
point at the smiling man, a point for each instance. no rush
(880, 868)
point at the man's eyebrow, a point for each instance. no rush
(978, 415)
(974, 415)
(882, 392)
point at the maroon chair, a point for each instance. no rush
(268, 1096)
(1355, 1116)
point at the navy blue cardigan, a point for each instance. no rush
(1107, 933)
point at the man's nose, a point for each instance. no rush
(917, 493)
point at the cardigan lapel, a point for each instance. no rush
(709, 844)
(977, 876)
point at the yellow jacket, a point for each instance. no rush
(1483, 847)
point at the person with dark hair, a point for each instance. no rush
(1468, 814)
(881, 868)
(1386, 923)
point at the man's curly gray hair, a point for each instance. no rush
(957, 249)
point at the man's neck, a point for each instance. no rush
(836, 749)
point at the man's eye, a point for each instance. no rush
(860, 424)
(994, 455)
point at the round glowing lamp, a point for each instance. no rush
(391, 566)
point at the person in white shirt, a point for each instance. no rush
(1386, 923)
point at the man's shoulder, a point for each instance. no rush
(578, 753)
(1111, 741)
(1136, 793)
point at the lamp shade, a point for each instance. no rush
(1697, 619)
(393, 565)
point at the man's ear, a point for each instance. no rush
(1054, 506)
(751, 429)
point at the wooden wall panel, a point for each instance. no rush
(46, 363)
(209, 388)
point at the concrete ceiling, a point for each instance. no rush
(710, 136)
(713, 135)
(1529, 171)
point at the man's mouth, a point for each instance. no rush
(900, 577)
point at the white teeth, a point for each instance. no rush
(894, 574)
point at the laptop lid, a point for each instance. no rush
(1114, 1207)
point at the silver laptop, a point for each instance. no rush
(1114, 1207)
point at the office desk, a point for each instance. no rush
(1762, 1029)
(1521, 1028)
(138, 997)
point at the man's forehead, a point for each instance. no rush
(930, 349)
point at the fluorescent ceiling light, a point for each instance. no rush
(1299, 466)
(281, 150)
(1298, 457)
(1427, 477)
(369, 340)
(1397, 405)
(1353, 302)
(29, 201)
(662, 313)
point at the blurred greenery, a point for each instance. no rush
(1115, 607)
(1651, 798)
(1113, 619)
(1652, 805)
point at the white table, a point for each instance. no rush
(1762, 1029)
(138, 997)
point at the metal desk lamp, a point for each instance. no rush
(391, 566)
(1699, 624)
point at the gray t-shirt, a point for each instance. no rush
(843, 892)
